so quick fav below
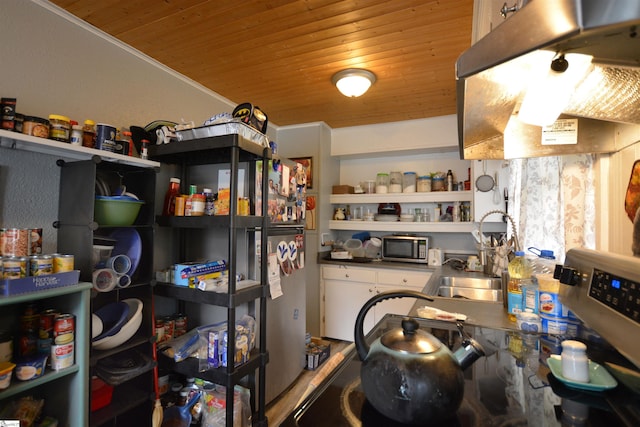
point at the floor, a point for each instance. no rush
(278, 410)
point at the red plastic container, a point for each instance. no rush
(101, 394)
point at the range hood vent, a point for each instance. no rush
(493, 77)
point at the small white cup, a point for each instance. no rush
(575, 364)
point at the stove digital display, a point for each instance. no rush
(620, 294)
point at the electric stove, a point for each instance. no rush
(511, 386)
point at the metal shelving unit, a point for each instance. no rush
(229, 150)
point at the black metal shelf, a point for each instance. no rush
(126, 397)
(211, 150)
(216, 221)
(184, 293)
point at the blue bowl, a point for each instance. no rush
(113, 316)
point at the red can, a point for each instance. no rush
(47, 320)
(64, 328)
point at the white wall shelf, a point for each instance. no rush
(416, 227)
(20, 141)
(427, 197)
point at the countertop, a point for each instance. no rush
(479, 313)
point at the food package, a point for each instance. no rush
(217, 339)
(215, 404)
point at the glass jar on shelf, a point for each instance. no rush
(409, 182)
(395, 182)
(382, 183)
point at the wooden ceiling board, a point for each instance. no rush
(281, 54)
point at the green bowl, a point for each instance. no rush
(114, 212)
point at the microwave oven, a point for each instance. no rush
(405, 248)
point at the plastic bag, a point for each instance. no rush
(214, 404)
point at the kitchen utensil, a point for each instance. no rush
(128, 329)
(496, 190)
(113, 316)
(116, 210)
(506, 203)
(484, 182)
(180, 416)
(407, 374)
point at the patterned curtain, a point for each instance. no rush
(552, 201)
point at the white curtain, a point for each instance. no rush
(552, 201)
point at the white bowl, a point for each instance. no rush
(96, 325)
(131, 326)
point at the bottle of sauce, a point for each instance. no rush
(89, 134)
(169, 206)
(519, 275)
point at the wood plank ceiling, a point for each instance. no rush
(281, 54)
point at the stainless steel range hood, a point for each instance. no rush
(493, 74)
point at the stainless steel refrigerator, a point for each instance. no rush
(286, 305)
(286, 309)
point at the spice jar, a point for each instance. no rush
(60, 128)
(437, 183)
(409, 182)
(424, 184)
(382, 183)
(197, 204)
(395, 182)
(89, 134)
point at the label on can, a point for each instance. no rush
(40, 265)
(46, 321)
(62, 356)
(35, 246)
(14, 268)
(15, 242)
(180, 324)
(62, 263)
(63, 329)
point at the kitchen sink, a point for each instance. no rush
(475, 288)
(470, 282)
(479, 294)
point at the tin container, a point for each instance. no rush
(35, 126)
(15, 242)
(62, 356)
(62, 263)
(35, 241)
(40, 265)
(64, 326)
(14, 267)
(105, 137)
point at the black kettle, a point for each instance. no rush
(407, 374)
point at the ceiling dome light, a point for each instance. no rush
(353, 82)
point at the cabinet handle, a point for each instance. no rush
(404, 280)
(346, 276)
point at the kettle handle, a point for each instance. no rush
(361, 344)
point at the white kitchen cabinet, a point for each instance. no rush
(347, 289)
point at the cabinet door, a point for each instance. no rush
(349, 274)
(342, 302)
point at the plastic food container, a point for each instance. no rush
(6, 368)
(31, 368)
(409, 182)
(382, 183)
(395, 182)
(369, 186)
(423, 184)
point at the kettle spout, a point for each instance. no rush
(468, 353)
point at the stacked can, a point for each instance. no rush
(62, 347)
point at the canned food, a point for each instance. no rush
(180, 326)
(46, 322)
(40, 265)
(14, 267)
(15, 242)
(63, 329)
(62, 356)
(35, 242)
(169, 327)
(159, 326)
(62, 263)
(35, 126)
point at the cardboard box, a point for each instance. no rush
(183, 272)
(343, 189)
(318, 351)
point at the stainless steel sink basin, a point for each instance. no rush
(470, 282)
(479, 294)
(475, 288)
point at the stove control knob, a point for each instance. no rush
(569, 276)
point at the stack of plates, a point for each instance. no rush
(386, 218)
